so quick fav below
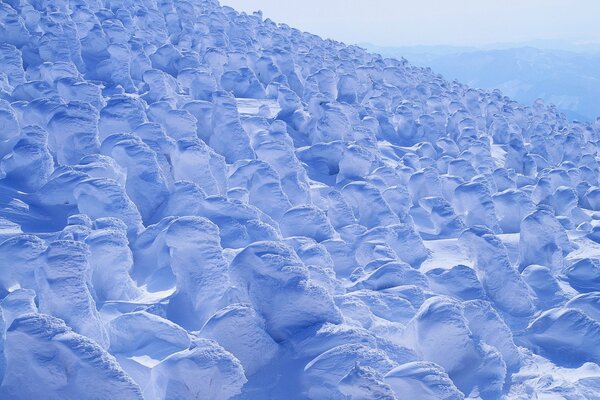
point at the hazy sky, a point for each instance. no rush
(436, 22)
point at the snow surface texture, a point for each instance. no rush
(202, 204)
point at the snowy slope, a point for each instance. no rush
(202, 204)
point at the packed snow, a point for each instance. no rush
(197, 203)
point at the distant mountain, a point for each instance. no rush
(568, 79)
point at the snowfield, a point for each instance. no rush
(197, 203)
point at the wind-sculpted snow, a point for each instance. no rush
(43, 346)
(197, 203)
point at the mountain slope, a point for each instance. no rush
(201, 204)
(568, 79)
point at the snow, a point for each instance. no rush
(197, 203)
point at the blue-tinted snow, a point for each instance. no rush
(202, 204)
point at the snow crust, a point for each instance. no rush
(197, 203)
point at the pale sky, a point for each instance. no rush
(436, 22)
